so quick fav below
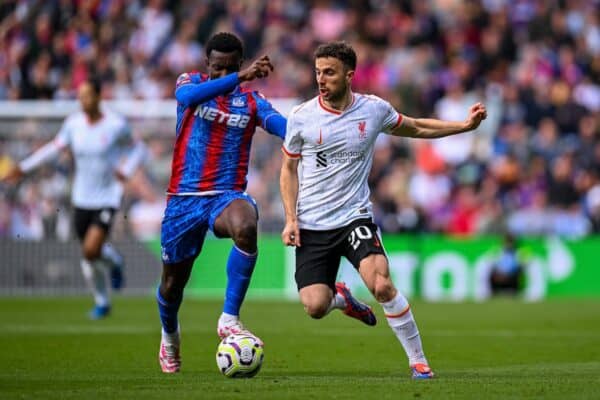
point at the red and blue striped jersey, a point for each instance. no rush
(216, 120)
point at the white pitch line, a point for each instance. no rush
(509, 333)
(466, 333)
(76, 330)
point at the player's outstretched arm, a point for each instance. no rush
(189, 93)
(42, 155)
(428, 128)
(288, 184)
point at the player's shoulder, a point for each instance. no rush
(303, 112)
(305, 109)
(255, 94)
(115, 120)
(370, 99)
(372, 104)
(114, 116)
(75, 116)
(191, 77)
(78, 117)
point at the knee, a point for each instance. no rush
(91, 253)
(384, 291)
(316, 310)
(316, 300)
(244, 236)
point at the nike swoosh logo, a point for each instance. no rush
(320, 141)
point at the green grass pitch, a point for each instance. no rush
(503, 349)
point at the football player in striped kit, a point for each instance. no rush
(216, 120)
(105, 155)
(328, 212)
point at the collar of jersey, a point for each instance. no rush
(332, 110)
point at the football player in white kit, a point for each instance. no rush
(105, 155)
(327, 207)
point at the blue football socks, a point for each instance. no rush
(168, 312)
(239, 271)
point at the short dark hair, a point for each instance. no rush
(224, 42)
(96, 84)
(340, 50)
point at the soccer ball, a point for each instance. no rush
(240, 356)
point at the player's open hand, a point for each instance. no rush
(291, 234)
(260, 68)
(13, 176)
(477, 113)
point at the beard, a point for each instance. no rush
(338, 95)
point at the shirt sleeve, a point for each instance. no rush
(63, 137)
(390, 118)
(292, 144)
(124, 136)
(192, 89)
(50, 150)
(183, 79)
(269, 118)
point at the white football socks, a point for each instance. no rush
(400, 318)
(228, 319)
(336, 302)
(110, 254)
(171, 338)
(96, 281)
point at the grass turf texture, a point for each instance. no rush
(496, 350)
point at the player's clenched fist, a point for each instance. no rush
(477, 113)
(291, 234)
(260, 68)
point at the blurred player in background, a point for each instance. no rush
(332, 136)
(216, 120)
(508, 265)
(105, 155)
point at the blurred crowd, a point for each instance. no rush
(532, 168)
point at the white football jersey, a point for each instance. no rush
(336, 152)
(97, 149)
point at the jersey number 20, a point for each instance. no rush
(361, 232)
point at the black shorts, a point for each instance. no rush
(83, 219)
(318, 259)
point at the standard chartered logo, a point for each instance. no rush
(321, 159)
(449, 275)
(339, 157)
